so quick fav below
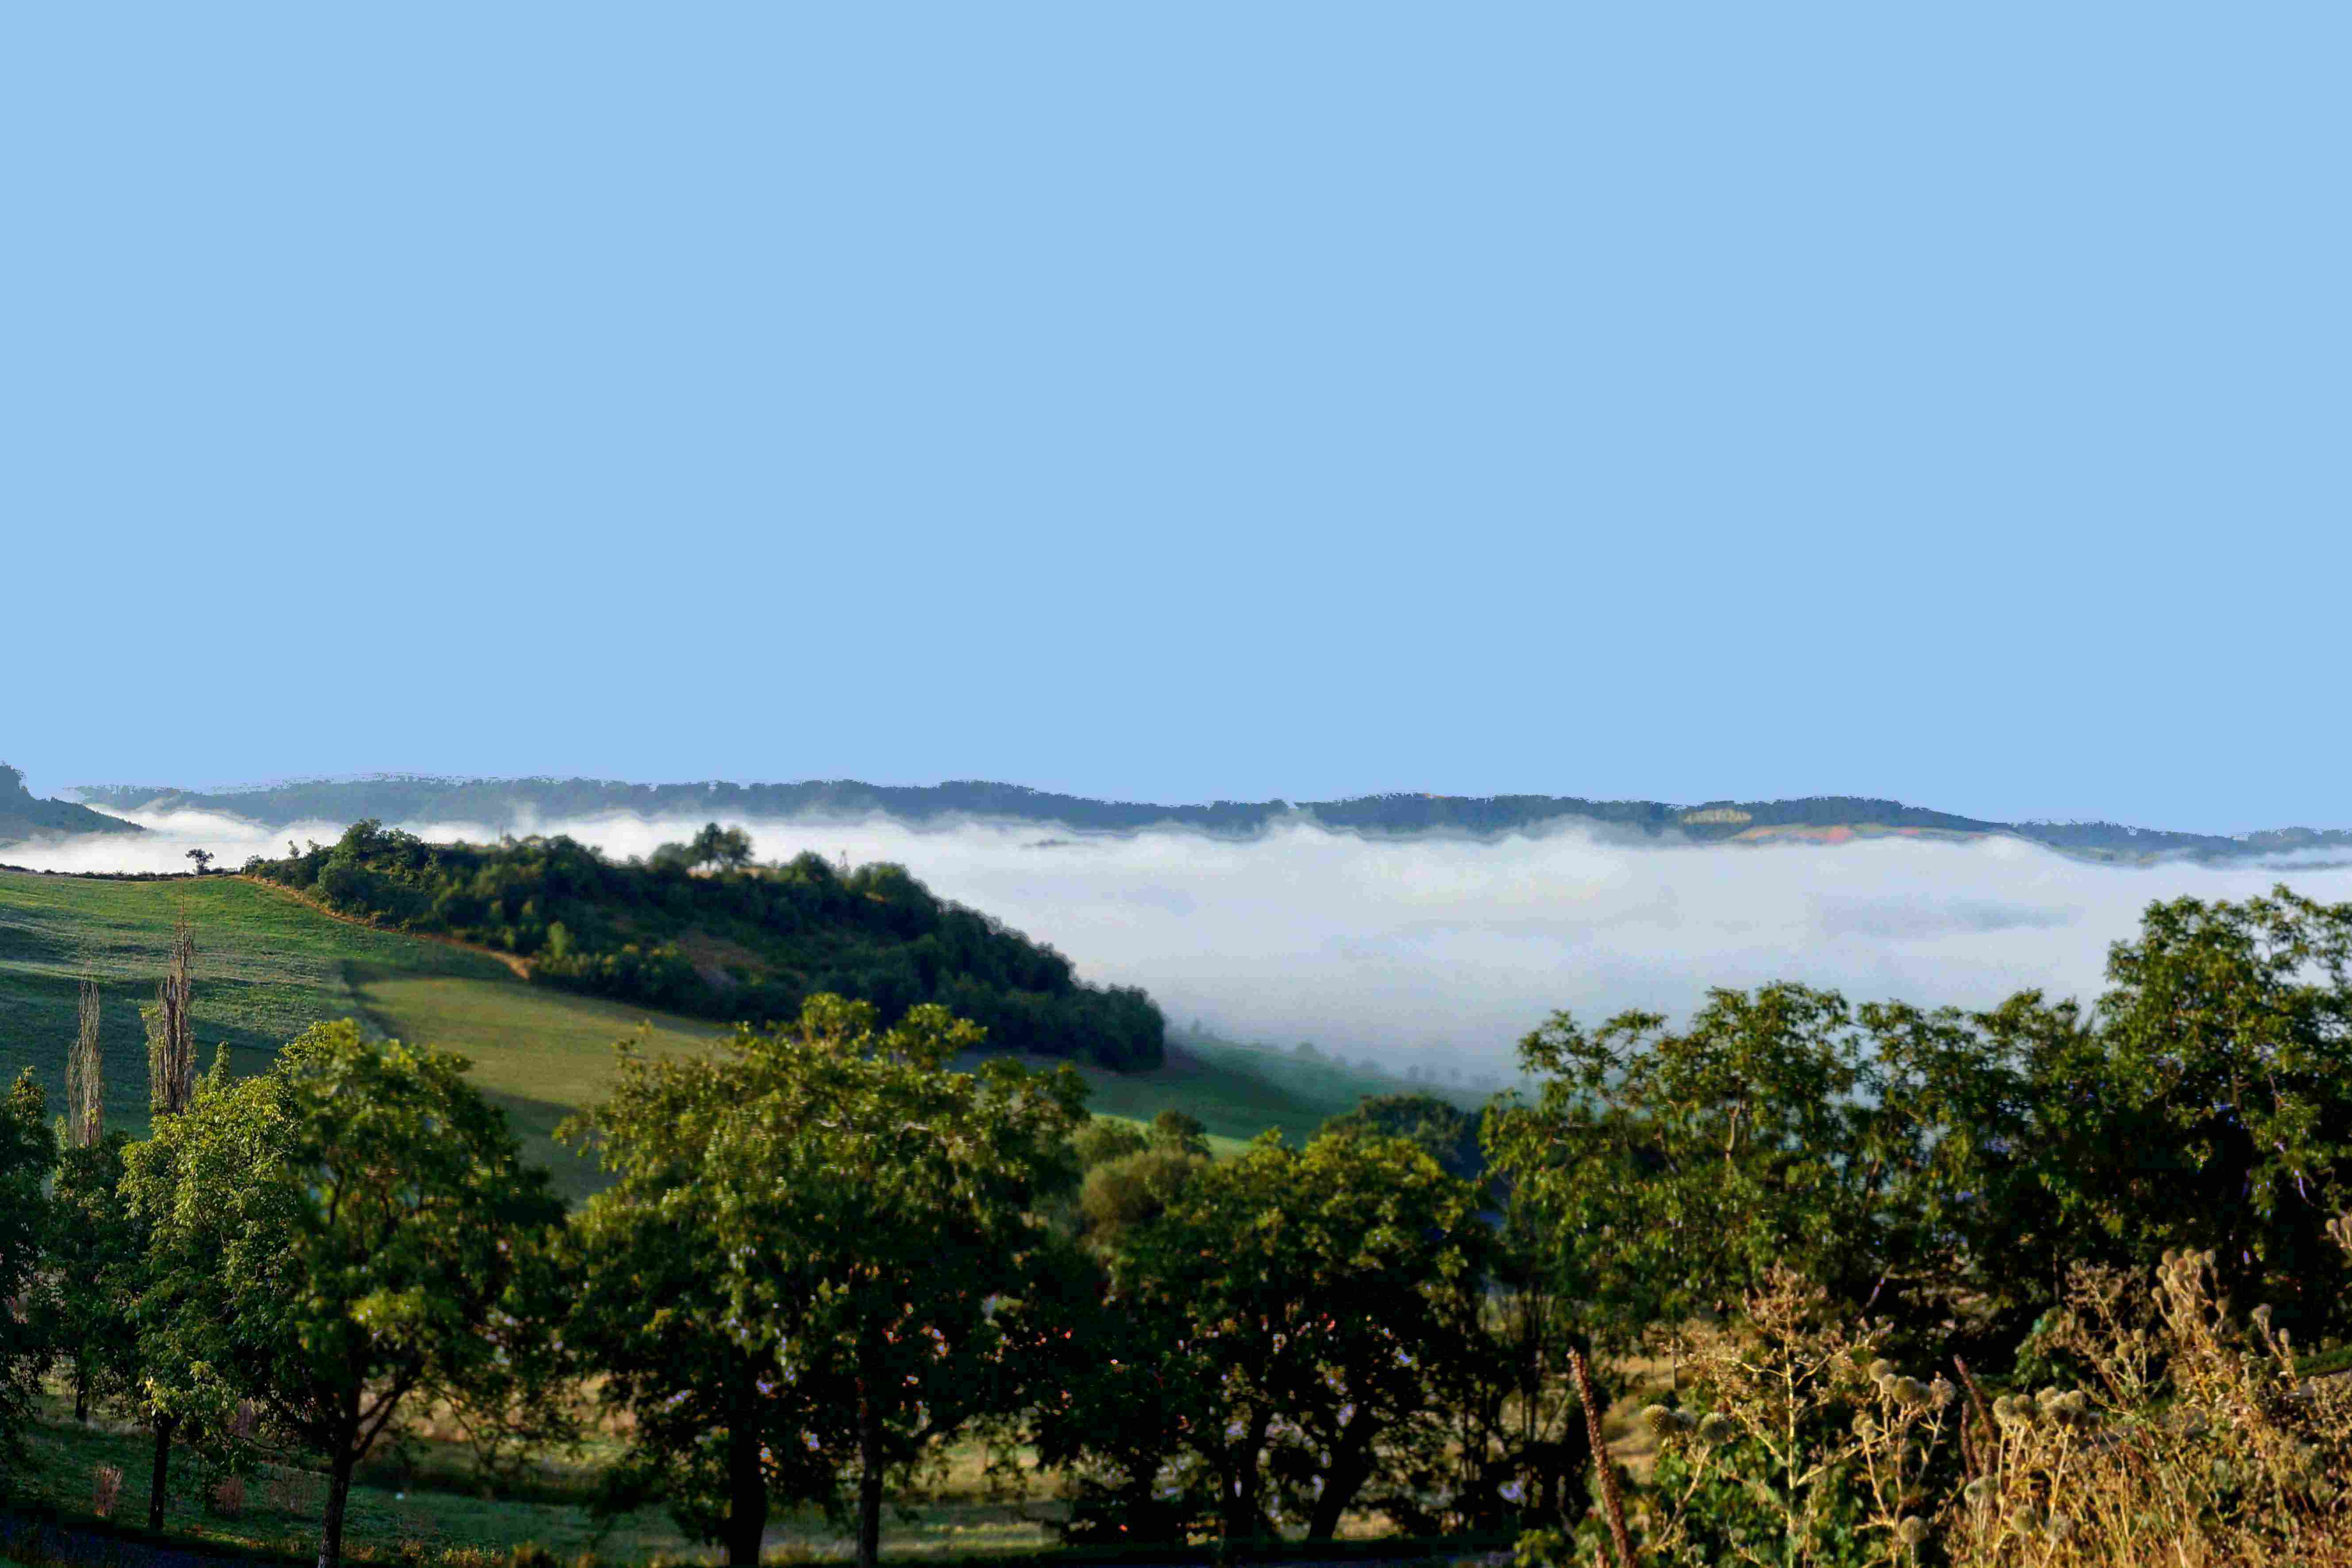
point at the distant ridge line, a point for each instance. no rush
(517, 803)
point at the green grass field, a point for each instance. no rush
(407, 1505)
(269, 966)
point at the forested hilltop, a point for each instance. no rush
(700, 929)
(518, 804)
(24, 815)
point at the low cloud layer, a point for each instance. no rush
(1446, 951)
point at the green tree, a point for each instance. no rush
(1448, 1132)
(1178, 1131)
(27, 1154)
(1305, 1316)
(2208, 1103)
(1103, 1139)
(93, 1259)
(1661, 1172)
(727, 849)
(796, 1275)
(348, 1231)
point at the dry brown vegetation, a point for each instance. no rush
(2187, 1440)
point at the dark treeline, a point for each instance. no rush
(500, 802)
(2106, 1242)
(699, 928)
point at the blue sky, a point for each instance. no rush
(1186, 402)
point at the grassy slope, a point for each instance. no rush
(269, 966)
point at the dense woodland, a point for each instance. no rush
(2043, 1284)
(698, 927)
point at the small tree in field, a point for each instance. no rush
(204, 859)
(795, 1278)
(350, 1230)
(724, 848)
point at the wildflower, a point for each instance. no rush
(1660, 1421)
(1881, 1370)
(1715, 1429)
(1907, 1392)
(1978, 1492)
(1911, 1529)
(1941, 1392)
(2060, 1528)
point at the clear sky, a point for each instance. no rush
(1191, 401)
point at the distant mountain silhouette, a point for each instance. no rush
(517, 805)
(25, 816)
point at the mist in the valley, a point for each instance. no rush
(1443, 951)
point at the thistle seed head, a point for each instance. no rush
(1911, 1529)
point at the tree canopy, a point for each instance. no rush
(330, 1239)
(794, 1280)
(698, 927)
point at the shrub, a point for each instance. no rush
(106, 1490)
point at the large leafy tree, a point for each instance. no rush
(1662, 1172)
(27, 1151)
(796, 1277)
(1295, 1324)
(2208, 1103)
(332, 1239)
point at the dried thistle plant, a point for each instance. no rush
(1815, 1447)
(105, 1490)
(2196, 1443)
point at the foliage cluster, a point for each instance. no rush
(1921, 1287)
(698, 927)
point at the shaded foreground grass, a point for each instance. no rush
(411, 1504)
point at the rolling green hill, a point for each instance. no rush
(699, 929)
(269, 965)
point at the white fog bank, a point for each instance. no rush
(1429, 949)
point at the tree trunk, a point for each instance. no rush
(81, 1387)
(161, 1473)
(1351, 1469)
(869, 1468)
(747, 1494)
(339, 1495)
